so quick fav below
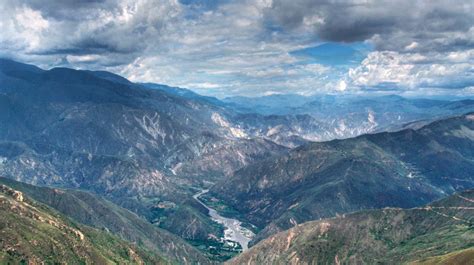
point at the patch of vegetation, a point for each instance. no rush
(218, 250)
(435, 234)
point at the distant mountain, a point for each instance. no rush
(292, 120)
(289, 119)
(33, 233)
(278, 104)
(318, 105)
(439, 233)
(319, 180)
(88, 209)
(183, 92)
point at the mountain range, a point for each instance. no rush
(407, 168)
(438, 233)
(124, 159)
(139, 147)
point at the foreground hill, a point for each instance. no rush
(88, 209)
(319, 180)
(32, 233)
(439, 233)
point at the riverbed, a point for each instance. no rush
(233, 227)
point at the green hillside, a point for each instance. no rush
(86, 208)
(429, 234)
(32, 233)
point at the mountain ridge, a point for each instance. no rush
(34, 233)
(88, 209)
(375, 236)
(149, 148)
(400, 169)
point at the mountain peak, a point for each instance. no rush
(8, 65)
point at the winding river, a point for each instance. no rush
(233, 227)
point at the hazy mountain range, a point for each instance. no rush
(130, 156)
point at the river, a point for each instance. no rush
(233, 227)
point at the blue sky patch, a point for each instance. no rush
(335, 54)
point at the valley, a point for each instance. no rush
(234, 232)
(236, 132)
(198, 179)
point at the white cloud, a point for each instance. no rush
(341, 86)
(412, 71)
(245, 47)
(24, 28)
(381, 67)
(205, 85)
(82, 58)
(412, 46)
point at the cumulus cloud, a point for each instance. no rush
(251, 47)
(414, 71)
(391, 25)
(420, 45)
(84, 27)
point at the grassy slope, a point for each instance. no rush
(464, 256)
(34, 233)
(377, 236)
(88, 209)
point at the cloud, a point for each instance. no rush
(86, 27)
(205, 85)
(391, 25)
(341, 86)
(251, 47)
(414, 71)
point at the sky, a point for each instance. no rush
(253, 47)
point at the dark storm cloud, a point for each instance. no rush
(391, 24)
(67, 9)
(119, 31)
(204, 4)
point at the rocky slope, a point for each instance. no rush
(88, 209)
(35, 234)
(421, 235)
(121, 121)
(400, 169)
